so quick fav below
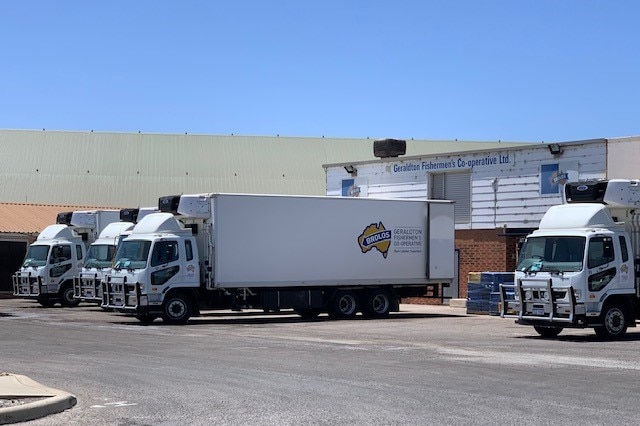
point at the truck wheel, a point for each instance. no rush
(146, 319)
(547, 332)
(377, 304)
(176, 309)
(344, 304)
(66, 297)
(614, 323)
(307, 313)
(46, 303)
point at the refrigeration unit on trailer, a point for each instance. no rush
(55, 258)
(580, 268)
(310, 254)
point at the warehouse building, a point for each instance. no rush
(45, 172)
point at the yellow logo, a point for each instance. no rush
(375, 236)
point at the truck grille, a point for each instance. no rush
(26, 285)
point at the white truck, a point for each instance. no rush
(272, 252)
(55, 258)
(88, 284)
(580, 268)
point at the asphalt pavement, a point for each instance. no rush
(23, 399)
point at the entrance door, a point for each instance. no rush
(11, 256)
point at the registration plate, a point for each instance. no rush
(538, 311)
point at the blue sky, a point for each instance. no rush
(514, 70)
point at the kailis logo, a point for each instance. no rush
(375, 236)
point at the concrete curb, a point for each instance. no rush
(15, 386)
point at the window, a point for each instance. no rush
(623, 248)
(79, 252)
(454, 187)
(60, 254)
(600, 251)
(552, 254)
(164, 252)
(99, 256)
(188, 250)
(132, 254)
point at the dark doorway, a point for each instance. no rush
(11, 257)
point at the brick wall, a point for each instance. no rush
(484, 250)
(480, 250)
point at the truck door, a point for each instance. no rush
(60, 260)
(165, 262)
(601, 263)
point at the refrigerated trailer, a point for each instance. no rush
(310, 254)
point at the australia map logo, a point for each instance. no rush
(375, 236)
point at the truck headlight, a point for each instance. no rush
(528, 295)
(578, 294)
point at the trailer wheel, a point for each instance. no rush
(66, 297)
(547, 332)
(307, 313)
(614, 322)
(344, 304)
(377, 304)
(176, 309)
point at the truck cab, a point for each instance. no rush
(49, 266)
(88, 284)
(101, 253)
(56, 257)
(158, 255)
(578, 268)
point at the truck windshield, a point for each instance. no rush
(132, 255)
(100, 256)
(36, 256)
(551, 254)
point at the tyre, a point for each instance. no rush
(614, 322)
(547, 332)
(377, 304)
(344, 304)
(66, 297)
(46, 303)
(307, 313)
(146, 319)
(176, 309)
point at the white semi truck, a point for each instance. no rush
(272, 252)
(88, 284)
(580, 268)
(57, 255)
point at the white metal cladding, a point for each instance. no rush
(622, 158)
(505, 185)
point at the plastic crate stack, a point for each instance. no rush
(483, 291)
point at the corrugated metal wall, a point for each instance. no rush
(124, 169)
